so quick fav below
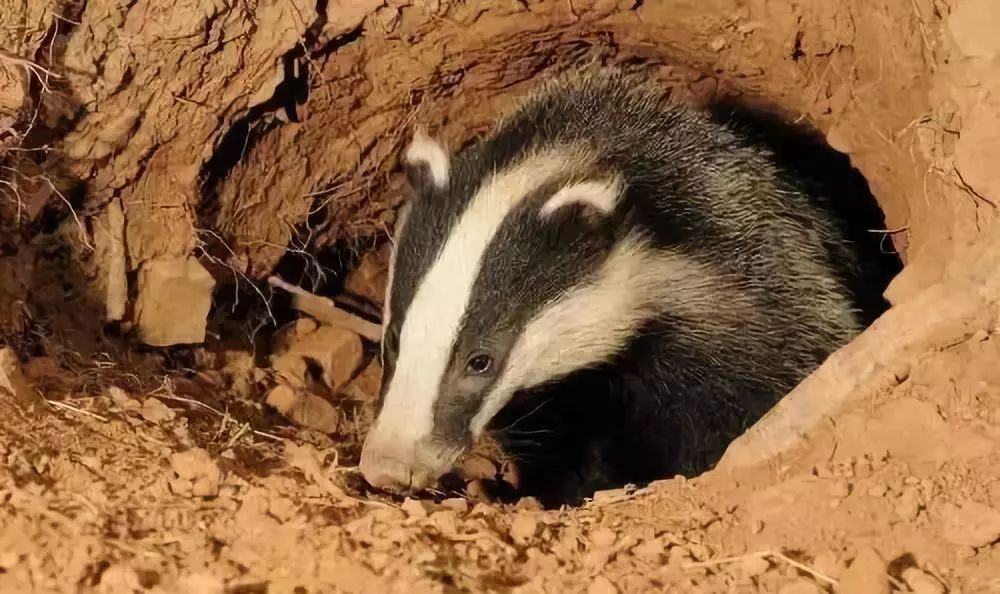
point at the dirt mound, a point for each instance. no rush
(170, 421)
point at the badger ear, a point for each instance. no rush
(426, 162)
(600, 195)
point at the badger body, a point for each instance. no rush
(613, 283)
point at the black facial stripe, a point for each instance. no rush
(530, 262)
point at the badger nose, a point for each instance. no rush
(385, 471)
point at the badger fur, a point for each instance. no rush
(616, 285)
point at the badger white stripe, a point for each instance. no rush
(434, 317)
(425, 150)
(634, 284)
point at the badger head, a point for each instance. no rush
(510, 269)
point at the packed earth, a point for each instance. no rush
(195, 201)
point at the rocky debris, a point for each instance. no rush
(305, 410)
(197, 473)
(523, 528)
(109, 245)
(970, 523)
(921, 582)
(602, 585)
(337, 352)
(369, 279)
(175, 295)
(866, 575)
(326, 311)
(154, 411)
(13, 382)
(801, 586)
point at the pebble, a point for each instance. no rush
(522, 529)
(602, 585)
(154, 411)
(908, 505)
(972, 524)
(754, 566)
(922, 583)
(603, 537)
(414, 508)
(801, 586)
(478, 468)
(456, 504)
(866, 575)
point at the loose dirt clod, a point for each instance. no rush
(921, 582)
(970, 523)
(175, 295)
(865, 575)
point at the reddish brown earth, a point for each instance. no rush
(155, 154)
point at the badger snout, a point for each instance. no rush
(392, 463)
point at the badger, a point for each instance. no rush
(612, 283)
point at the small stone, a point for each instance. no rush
(922, 583)
(528, 504)
(414, 508)
(175, 295)
(972, 524)
(313, 412)
(602, 585)
(12, 381)
(650, 550)
(801, 586)
(754, 566)
(456, 504)
(865, 575)
(718, 44)
(446, 521)
(840, 489)
(179, 486)
(196, 466)
(478, 468)
(522, 529)
(154, 411)
(908, 505)
(282, 398)
(603, 537)
(123, 400)
(878, 490)
(828, 564)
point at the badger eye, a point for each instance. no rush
(479, 364)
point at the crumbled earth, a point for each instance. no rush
(149, 151)
(157, 491)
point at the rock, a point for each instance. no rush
(866, 575)
(109, 246)
(971, 524)
(922, 583)
(522, 529)
(369, 279)
(478, 468)
(801, 586)
(196, 466)
(908, 505)
(123, 400)
(602, 585)
(200, 583)
(414, 508)
(754, 566)
(12, 381)
(338, 353)
(828, 564)
(973, 26)
(456, 504)
(603, 537)
(154, 411)
(175, 295)
(119, 579)
(282, 398)
(312, 412)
